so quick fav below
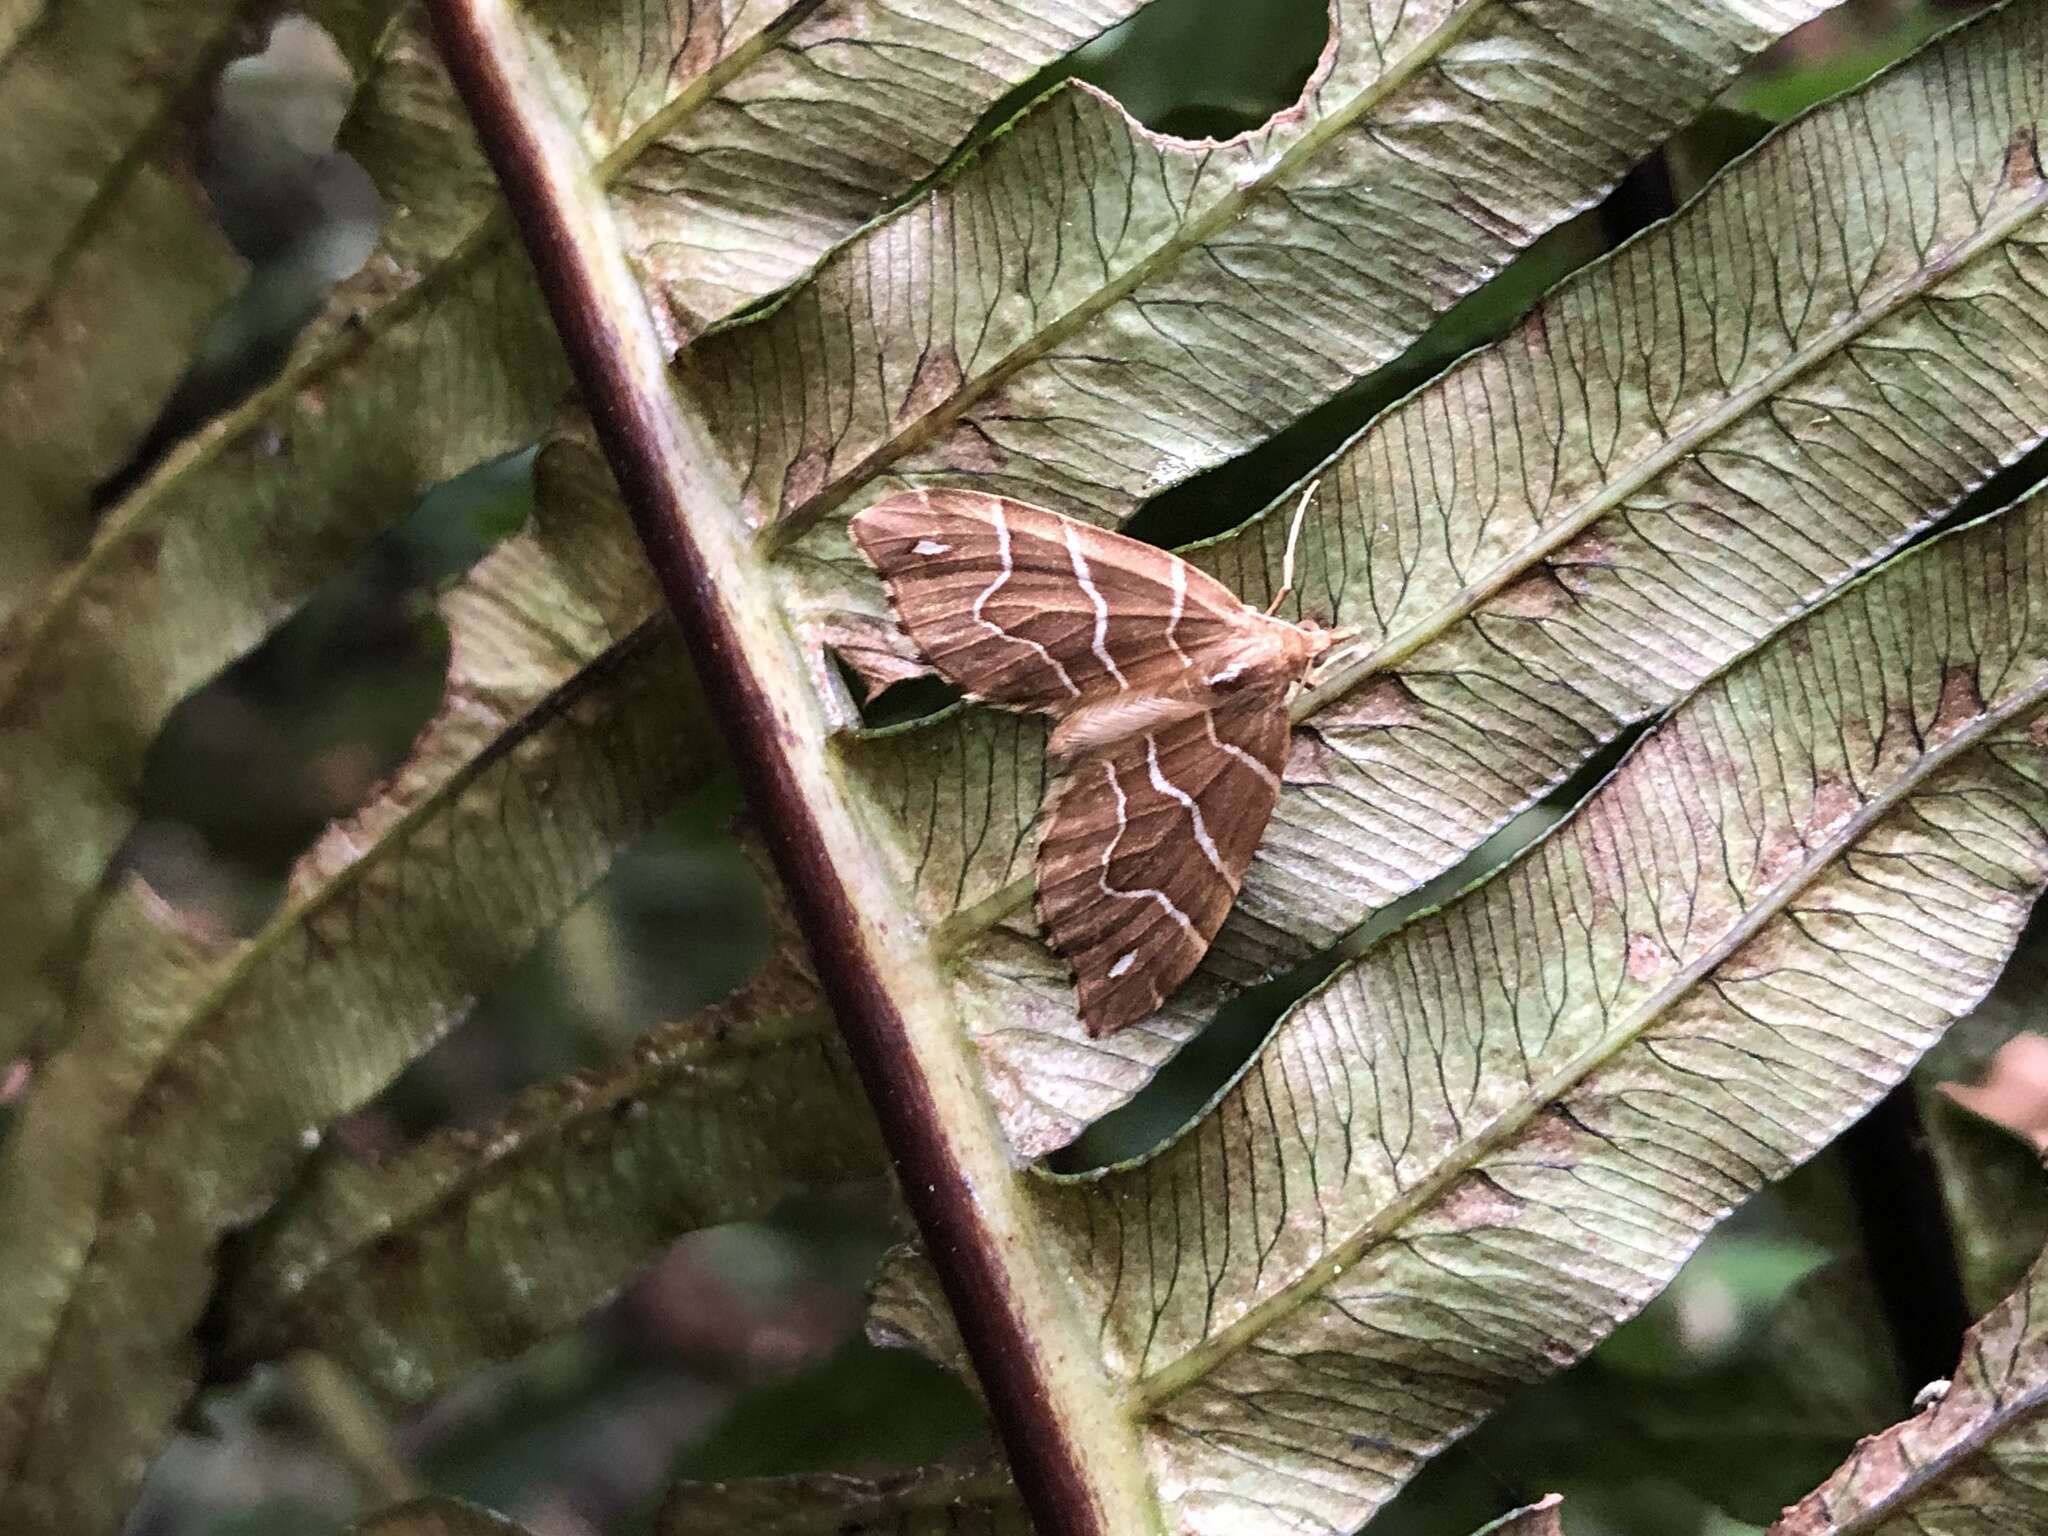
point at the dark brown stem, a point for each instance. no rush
(1071, 1450)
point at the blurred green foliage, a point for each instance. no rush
(739, 1352)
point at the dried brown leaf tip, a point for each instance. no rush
(2014, 1093)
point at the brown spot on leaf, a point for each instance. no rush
(2023, 158)
(1539, 595)
(1961, 702)
(1476, 1201)
(968, 449)
(145, 548)
(1307, 759)
(803, 480)
(1647, 959)
(937, 380)
(1380, 703)
(1835, 804)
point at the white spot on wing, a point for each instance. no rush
(1124, 962)
(1167, 787)
(930, 547)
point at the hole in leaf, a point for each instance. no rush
(915, 698)
(1208, 69)
(1190, 68)
(304, 214)
(249, 769)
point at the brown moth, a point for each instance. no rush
(1170, 697)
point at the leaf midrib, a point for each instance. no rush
(2009, 1411)
(639, 1080)
(1149, 1390)
(964, 926)
(1186, 238)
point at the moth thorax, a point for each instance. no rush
(1274, 652)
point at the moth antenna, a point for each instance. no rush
(1293, 538)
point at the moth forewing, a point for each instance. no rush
(1170, 696)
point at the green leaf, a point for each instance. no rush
(439, 355)
(470, 1246)
(198, 1075)
(115, 263)
(1678, 452)
(1971, 1460)
(1468, 1156)
(1092, 312)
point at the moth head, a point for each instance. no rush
(1323, 641)
(1321, 638)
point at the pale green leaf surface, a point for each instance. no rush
(869, 97)
(83, 378)
(436, 356)
(1091, 312)
(934, 1501)
(469, 1247)
(1971, 1464)
(1681, 449)
(1468, 1156)
(196, 1079)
